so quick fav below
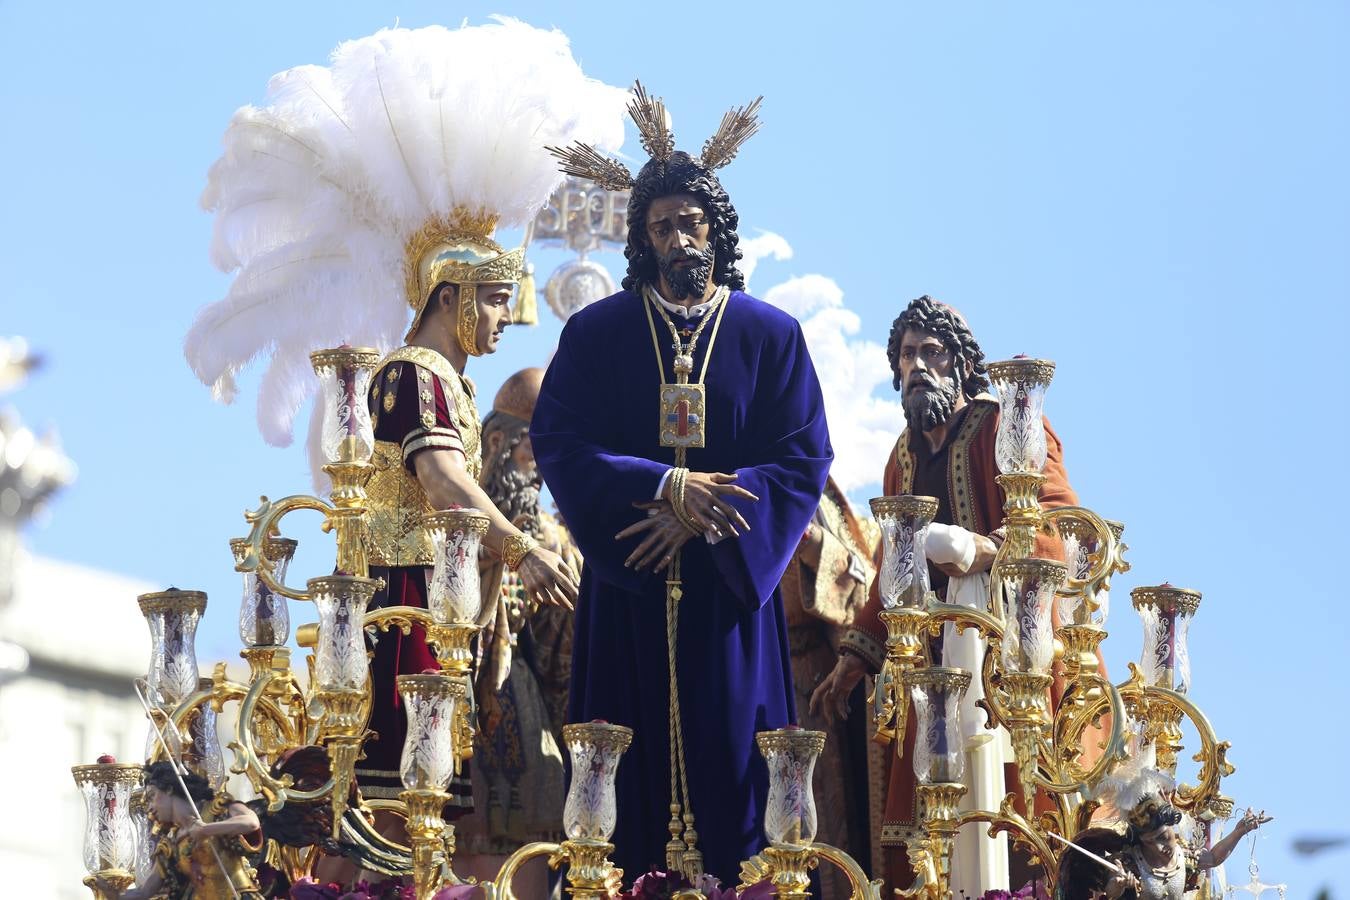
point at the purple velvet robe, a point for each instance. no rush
(595, 438)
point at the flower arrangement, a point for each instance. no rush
(658, 885)
(1032, 890)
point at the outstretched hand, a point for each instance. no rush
(664, 535)
(1251, 821)
(706, 502)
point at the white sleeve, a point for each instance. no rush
(950, 544)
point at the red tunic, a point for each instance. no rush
(413, 423)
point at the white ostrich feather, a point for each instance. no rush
(1137, 777)
(316, 192)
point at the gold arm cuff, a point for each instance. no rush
(438, 438)
(865, 647)
(515, 548)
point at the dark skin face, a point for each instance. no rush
(676, 223)
(924, 360)
(1158, 846)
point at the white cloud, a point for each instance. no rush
(765, 245)
(863, 425)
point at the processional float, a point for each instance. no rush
(276, 711)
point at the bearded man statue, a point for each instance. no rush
(947, 451)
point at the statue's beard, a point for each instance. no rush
(515, 494)
(931, 406)
(690, 281)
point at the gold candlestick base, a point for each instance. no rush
(1022, 513)
(451, 643)
(264, 659)
(348, 516)
(116, 879)
(1080, 657)
(904, 651)
(1027, 712)
(589, 870)
(432, 848)
(939, 807)
(789, 869)
(344, 727)
(1162, 727)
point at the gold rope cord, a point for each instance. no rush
(682, 852)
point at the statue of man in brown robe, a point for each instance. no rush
(947, 452)
(824, 590)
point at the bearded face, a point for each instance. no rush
(929, 401)
(510, 477)
(681, 238)
(687, 270)
(928, 376)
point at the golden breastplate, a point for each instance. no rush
(397, 504)
(396, 500)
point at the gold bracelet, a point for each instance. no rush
(515, 548)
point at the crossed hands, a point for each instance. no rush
(706, 502)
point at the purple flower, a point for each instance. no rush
(656, 885)
(309, 889)
(457, 892)
(1032, 890)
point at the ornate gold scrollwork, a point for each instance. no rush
(1007, 820)
(1156, 704)
(266, 520)
(246, 758)
(500, 888)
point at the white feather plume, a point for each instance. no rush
(1137, 777)
(317, 191)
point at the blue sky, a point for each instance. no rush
(1154, 195)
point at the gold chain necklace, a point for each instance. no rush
(682, 403)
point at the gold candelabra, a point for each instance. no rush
(1033, 603)
(279, 711)
(790, 821)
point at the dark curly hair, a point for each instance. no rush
(949, 326)
(161, 777)
(1149, 817)
(682, 175)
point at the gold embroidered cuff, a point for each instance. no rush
(865, 647)
(515, 548)
(444, 438)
